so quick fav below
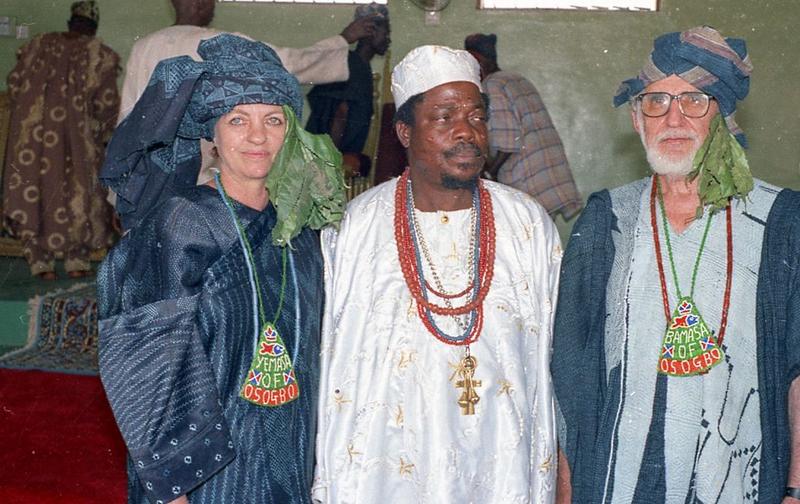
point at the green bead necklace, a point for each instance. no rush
(270, 379)
(689, 347)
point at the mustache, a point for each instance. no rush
(463, 148)
(679, 133)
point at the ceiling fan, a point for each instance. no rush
(431, 5)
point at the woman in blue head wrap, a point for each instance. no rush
(210, 305)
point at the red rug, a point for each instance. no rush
(58, 440)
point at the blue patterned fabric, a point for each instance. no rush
(588, 394)
(176, 342)
(371, 9)
(718, 66)
(155, 151)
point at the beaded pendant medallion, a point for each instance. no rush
(270, 380)
(689, 347)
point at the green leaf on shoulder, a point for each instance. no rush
(722, 166)
(305, 183)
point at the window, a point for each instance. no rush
(646, 5)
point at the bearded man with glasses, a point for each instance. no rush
(675, 343)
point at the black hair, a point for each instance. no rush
(405, 114)
(83, 25)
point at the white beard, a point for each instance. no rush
(663, 164)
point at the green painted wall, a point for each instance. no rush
(575, 58)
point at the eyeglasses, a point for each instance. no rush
(691, 104)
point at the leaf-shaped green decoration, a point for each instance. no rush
(722, 167)
(305, 183)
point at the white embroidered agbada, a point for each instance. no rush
(390, 427)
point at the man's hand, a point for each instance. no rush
(563, 480)
(355, 164)
(360, 28)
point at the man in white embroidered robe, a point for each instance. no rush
(391, 428)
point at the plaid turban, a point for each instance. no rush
(718, 66)
(87, 9)
(484, 45)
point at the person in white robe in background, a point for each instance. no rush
(320, 63)
(393, 422)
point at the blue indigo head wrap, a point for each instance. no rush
(718, 66)
(155, 151)
(236, 71)
(371, 9)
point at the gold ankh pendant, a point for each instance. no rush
(469, 398)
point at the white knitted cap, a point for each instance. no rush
(429, 66)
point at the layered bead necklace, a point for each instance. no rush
(412, 248)
(689, 347)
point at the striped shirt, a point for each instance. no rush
(519, 124)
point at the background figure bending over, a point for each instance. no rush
(526, 150)
(344, 109)
(325, 61)
(64, 102)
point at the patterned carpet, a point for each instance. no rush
(4, 349)
(62, 333)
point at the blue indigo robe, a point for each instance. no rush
(176, 342)
(588, 393)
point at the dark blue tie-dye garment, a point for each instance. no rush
(176, 342)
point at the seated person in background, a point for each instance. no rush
(527, 151)
(209, 320)
(344, 109)
(64, 100)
